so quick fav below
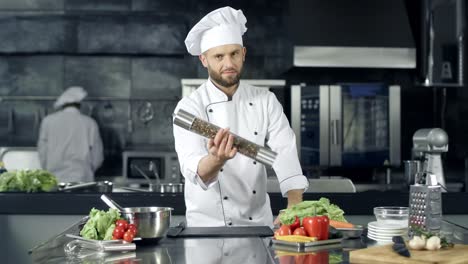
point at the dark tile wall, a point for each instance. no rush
(131, 51)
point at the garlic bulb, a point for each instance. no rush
(433, 243)
(417, 243)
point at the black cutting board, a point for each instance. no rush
(222, 231)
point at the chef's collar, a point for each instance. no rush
(71, 109)
(217, 93)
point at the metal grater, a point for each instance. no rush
(425, 208)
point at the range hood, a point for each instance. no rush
(355, 34)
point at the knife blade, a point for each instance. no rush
(399, 246)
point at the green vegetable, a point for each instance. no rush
(312, 208)
(109, 232)
(99, 223)
(27, 181)
(89, 230)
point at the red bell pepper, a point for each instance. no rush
(312, 226)
(325, 224)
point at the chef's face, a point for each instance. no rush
(224, 64)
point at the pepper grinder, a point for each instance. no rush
(206, 129)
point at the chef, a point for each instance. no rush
(69, 143)
(223, 188)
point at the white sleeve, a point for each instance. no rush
(190, 148)
(42, 144)
(97, 149)
(281, 139)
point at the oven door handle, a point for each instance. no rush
(335, 129)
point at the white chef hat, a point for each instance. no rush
(220, 27)
(74, 94)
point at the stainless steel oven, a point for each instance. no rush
(162, 166)
(347, 125)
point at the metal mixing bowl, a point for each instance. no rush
(151, 222)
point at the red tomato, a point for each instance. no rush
(300, 231)
(284, 230)
(123, 223)
(128, 236)
(324, 228)
(296, 224)
(118, 232)
(312, 226)
(133, 228)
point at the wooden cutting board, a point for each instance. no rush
(385, 254)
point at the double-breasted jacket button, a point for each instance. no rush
(254, 162)
(254, 191)
(210, 110)
(225, 197)
(255, 133)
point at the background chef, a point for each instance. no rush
(223, 188)
(69, 143)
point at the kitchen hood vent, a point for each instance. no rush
(356, 34)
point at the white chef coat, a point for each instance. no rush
(238, 195)
(70, 146)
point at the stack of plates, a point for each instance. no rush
(384, 232)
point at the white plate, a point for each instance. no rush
(378, 226)
(388, 231)
(378, 238)
(385, 231)
(386, 235)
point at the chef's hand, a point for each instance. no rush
(221, 147)
(276, 223)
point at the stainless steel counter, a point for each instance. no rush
(216, 250)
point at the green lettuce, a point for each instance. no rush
(27, 181)
(312, 208)
(99, 224)
(109, 232)
(89, 230)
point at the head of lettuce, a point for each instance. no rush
(27, 181)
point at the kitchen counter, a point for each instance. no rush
(81, 203)
(201, 249)
(28, 219)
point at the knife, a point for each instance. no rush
(399, 246)
(175, 231)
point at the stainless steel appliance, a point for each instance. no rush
(426, 192)
(19, 158)
(347, 125)
(429, 144)
(158, 166)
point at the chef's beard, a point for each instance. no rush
(228, 82)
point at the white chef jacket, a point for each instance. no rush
(238, 195)
(70, 146)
